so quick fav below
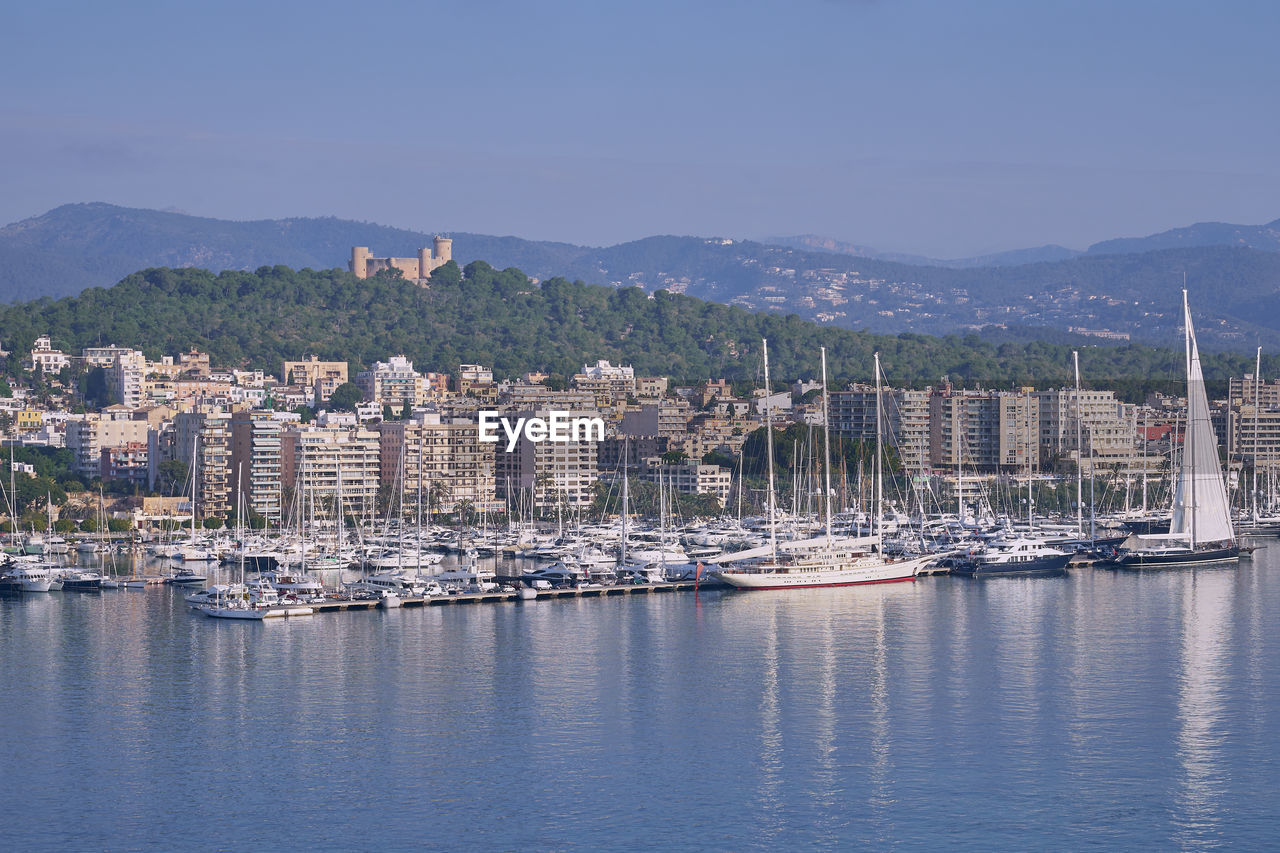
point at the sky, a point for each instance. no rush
(942, 128)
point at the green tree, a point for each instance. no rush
(346, 397)
(94, 388)
(446, 275)
(714, 457)
(173, 476)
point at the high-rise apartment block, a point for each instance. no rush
(556, 473)
(325, 465)
(203, 441)
(255, 461)
(444, 462)
(392, 383)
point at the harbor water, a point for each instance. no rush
(1119, 710)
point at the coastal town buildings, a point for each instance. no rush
(392, 383)
(443, 461)
(554, 473)
(330, 467)
(242, 431)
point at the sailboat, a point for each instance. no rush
(1201, 530)
(824, 560)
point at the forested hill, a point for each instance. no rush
(1134, 291)
(481, 315)
(76, 246)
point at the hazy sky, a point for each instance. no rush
(947, 128)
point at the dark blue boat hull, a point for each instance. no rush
(1055, 564)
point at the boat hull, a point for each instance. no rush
(897, 572)
(1138, 560)
(764, 583)
(82, 584)
(1049, 565)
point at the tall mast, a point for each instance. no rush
(195, 471)
(1257, 378)
(879, 469)
(1075, 357)
(342, 516)
(239, 515)
(1146, 455)
(1030, 444)
(626, 456)
(826, 442)
(768, 434)
(13, 505)
(740, 460)
(422, 444)
(1188, 453)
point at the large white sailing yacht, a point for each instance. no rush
(824, 560)
(1200, 531)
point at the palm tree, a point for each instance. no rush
(437, 493)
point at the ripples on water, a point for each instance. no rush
(1105, 709)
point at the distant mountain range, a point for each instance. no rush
(999, 259)
(1127, 286)
(1264, 237)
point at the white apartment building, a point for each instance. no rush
(443, 462)
(322, 465)
(89, 434)
(203, 441)
(693, 478)
(255, 460)
(46, 358)
(393, 383)
(555, 473)
(1108, 427)
(127, 377)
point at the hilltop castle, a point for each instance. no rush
(417, 270)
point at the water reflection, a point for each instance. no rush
(881, 766)
(1123, 710)
(768, 799)
(1207, 598)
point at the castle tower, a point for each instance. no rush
(424, 263)
(360, 261)
(444, 250)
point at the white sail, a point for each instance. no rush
(1200, 508)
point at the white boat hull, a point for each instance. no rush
(866, 571)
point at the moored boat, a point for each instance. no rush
(1200, 530)
(1016, 556)
(824, 561)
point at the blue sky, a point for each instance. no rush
(943, 128)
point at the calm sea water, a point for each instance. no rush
(1104, 709)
